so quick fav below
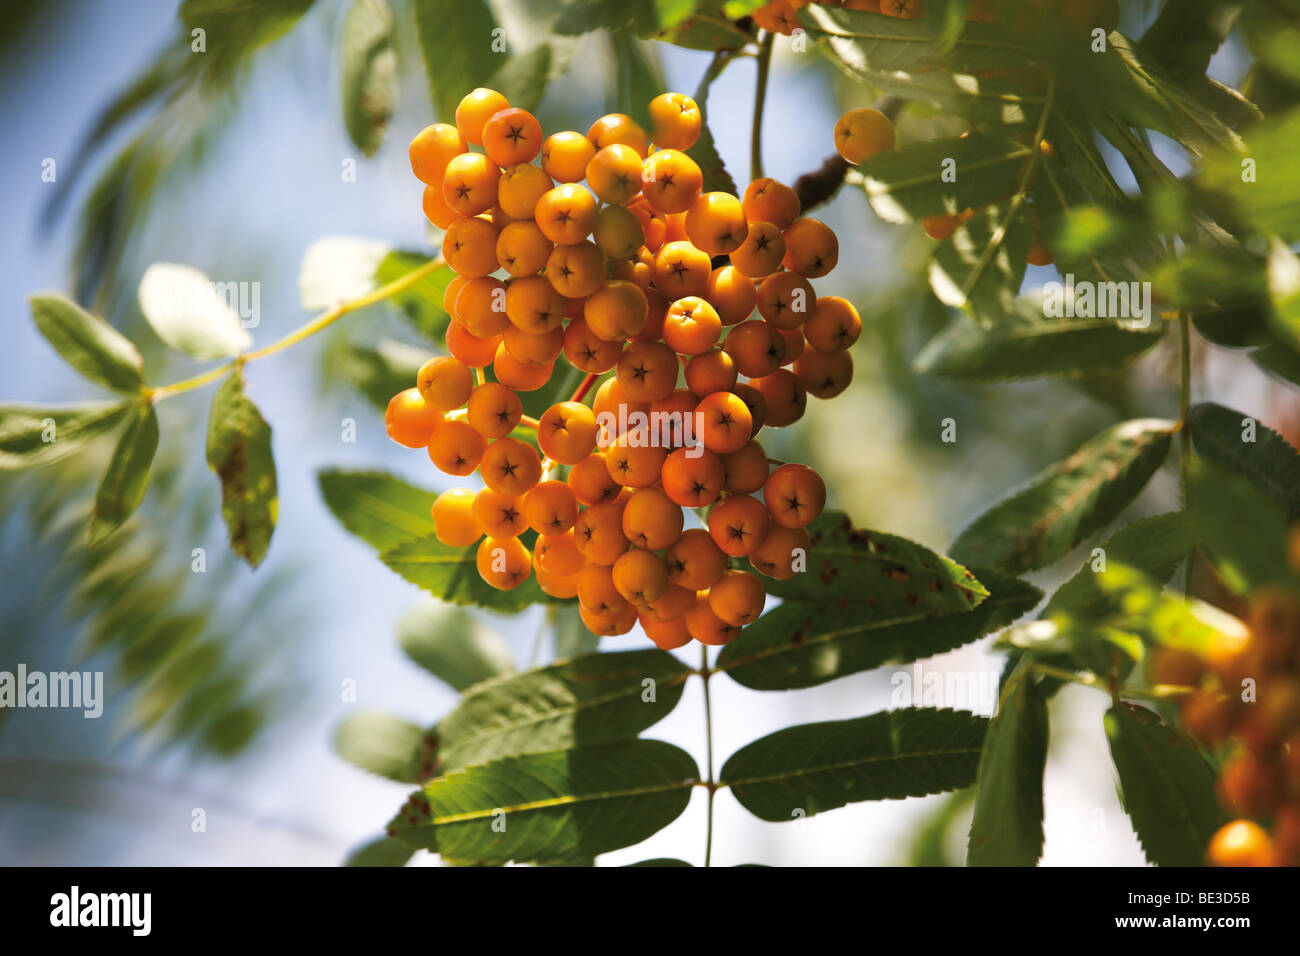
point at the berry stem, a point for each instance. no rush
(582, 389)
(760, 97)
(708, 747)
(324, 320)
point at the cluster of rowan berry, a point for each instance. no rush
(1260, 777)
(643, 273)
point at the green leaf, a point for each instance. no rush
(522, 77)
(1284, 289)
(570, 634)
(1243, 531)
(982, 265)
(1269, 200)
(381, 851)
(369, 63)
(705, 150)
(422, 302)
(590, 700)
(1067, 501)
(1010, 351)
(381, 744)
(452, 575)
(239, 451)
(1168, 788)
(456, 40)
(1279, 360)
(1249, 447)
(88, 343)
(1159, 617)
(124, 483)
(379, 508)
(1007, 829)
(380, 372)
(452, 645)
(807, 769)
(661, 861)
(551, 807)
(912, 181)
(1185, 35)
(195, 315)
(33, 435)
(708, 28)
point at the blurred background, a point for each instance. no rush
(224, 687)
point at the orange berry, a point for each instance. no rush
(675, 121)
(745, 469)
(1168, 665)
(558, 553)
(863, 133)
(587, 351)
(716, 223)
(691, 326)
(550, 508)
(469, 185)
(674, 417)
(431, 150)
(940, 227)
(811, 248)
(520, 188)
(824, 374)
(467, 347)
(614, 174)
(511, 466)
(755, 402)
(693, 477)
(756, 347)
(577, 270)
(671, 181)
(566, 214)
(614, 410)
(640, 576)
(1249, 784)
(533, 305)
(617, 128)
(656, 312)
(616, 311)
(706, 627)
(450, 294)
(767, 200)
(666, 635)
(618, 232)
(724, 422)
(761, 253)
(794, 345)
(785, 396)
(533, 348)
(590, 481)
(565, 156)
(512, 136)
(680, 269)
(567, 432)
(672, 605)
(470, 247)
(504, 563)
(834, 324)
(522, 249)
(732, 293)
(737, 597)
(500, 516)
(651, 519)
(783, 552)
(435, 207)
(738, 524)
(473, 112)
(1240, 843)
(695, 562)
(454, 523)
(444, 383)
(456, 448)
(609, 623)
(481, 306)
(795, 495)
(1039, 255)
(493, 410)
(598, 533)
(711, 371)
(409, 419)
(647, 371)
(634, 466)
(597, 591)
(786, 299)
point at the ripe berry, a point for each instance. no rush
(767, 200)
(558, 553)
(811, 248)
(784, 551)
(618, 128)
(475, 110)
(666, 635)
(616, 311)
(680, 269)
(762, 251)
(456, 448)
(863, 133)
(834, 324)
(738, 525)
(640, 577)
(510, 466)
(454, 523)
(675, 121)
(590, 481)
(566, 214)
(614, 174)
(410, 420)
(504, 563)
(795, 495)
(565, 156)
(745, 469)
(651, 519)
(519, 189)
(785, 396)
(576, 270)
(691, 326)
(824, 374)
(469, 184)
(598, 533)
(756, 347)
(567, 432)
(512, 136)
(431, 150)
(500, 516)
(444, 383)
(470, 247)
(671, 181)
(737, 597)
(695, 562)
(693, 477)
(469, 348)
(1240, 843)
(786, 299)
(724, 422)
(732, 294)
(716, 223)
(522, 249)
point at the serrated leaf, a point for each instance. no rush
(1220, 435)
(88, 343)
(421, 302)
(1012, 351)
(1007, 829)
(1278, 360)
(806, 643)
(381, 851)
(982, 265)
(589, 700)
(369, 66)
(239, 451)
(34, 435)
(452, 645)
(381, 744)
(124, 483)
(1243, 531)
(379, 508)
(1145, 610)
(913, 181)
(456, 40)
(522, 77)
(195, 315)
(1067, 501)
(705, 150)
(811, 768)
(1168, 788)
(451, 574)
(551, 807)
